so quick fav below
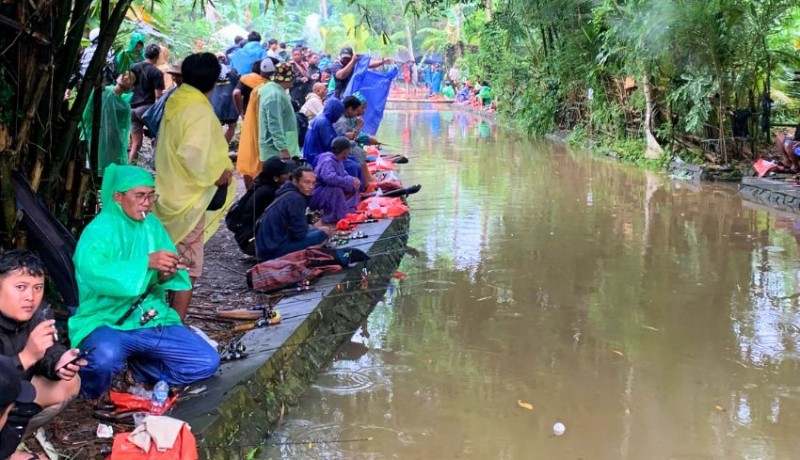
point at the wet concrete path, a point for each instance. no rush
(654, 318)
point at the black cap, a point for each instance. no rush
(274, 167)
(347, 51)
(340, 144)
(12, 387)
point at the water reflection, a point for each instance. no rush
(654, 318)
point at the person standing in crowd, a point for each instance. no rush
(222, 97)
(192, 166)
(149, 87)
(436, 81)
(303, 81)
(342, 69)
(272, 49)
(238, 42)
(453, 76)
(314, 102)
(248, 161)
(251, 52)
(131, 55)
(313, 66)
(242, 217)
(247, 83)
(334, 185)
(283, 53)
(88, 53)
(277, 124)
(115, 123)
(284, 226)
(28, 340)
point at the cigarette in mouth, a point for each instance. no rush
(144, 215)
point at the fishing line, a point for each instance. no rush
(287, 443)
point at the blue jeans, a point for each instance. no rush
(174, 352)
(314, 237)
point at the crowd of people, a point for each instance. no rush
(301, 153)
(435, 83)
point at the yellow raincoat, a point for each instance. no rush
(191, 155)
(248, 162)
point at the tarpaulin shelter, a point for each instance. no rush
(374, 86)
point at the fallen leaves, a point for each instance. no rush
(524, 404)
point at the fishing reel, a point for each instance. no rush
(313, 216)
(235, 350)
(271, 317)
(148, 316)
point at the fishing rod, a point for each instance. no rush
(315, 286)
(385, 288)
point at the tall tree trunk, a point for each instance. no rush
(489, 10)
(323, 9)
(410, 39)
(69, 131)
(654, 150)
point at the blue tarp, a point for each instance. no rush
(375, 87)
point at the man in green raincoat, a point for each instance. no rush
(115, 123)
(132, 55)
(124, 263)
(277, 130)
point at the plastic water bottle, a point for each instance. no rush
(158, 404)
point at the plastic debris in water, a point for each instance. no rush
(524, 404)
(559, 429)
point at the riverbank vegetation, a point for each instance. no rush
(660, 77)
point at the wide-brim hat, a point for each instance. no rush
(283, 73)
(175, 69)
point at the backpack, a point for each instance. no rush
(153, 115)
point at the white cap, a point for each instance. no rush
(267, 65)
(94, 34)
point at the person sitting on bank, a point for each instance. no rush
(449, 92)
(284, 227)
(242, 217)
(788, 146)
(124, 264)
(13, 390)
(28, 337)
(334, 185)
(321, 131)
(349, 125)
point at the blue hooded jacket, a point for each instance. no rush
(321, 132)
(244, 59)
(283, 221)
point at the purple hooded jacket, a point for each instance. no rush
(333, 184)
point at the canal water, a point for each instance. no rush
(654, 318)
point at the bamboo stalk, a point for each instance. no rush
(61, 149)
(36, 174)
(23, 133)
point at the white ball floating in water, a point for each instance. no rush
(559, 429)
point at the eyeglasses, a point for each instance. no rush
(142, 197)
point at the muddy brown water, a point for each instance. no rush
(654, 318)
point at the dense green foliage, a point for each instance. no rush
(587, 63)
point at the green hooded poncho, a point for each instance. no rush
(115, 128)
(277, 128)
(127, 58)
(111, 263)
